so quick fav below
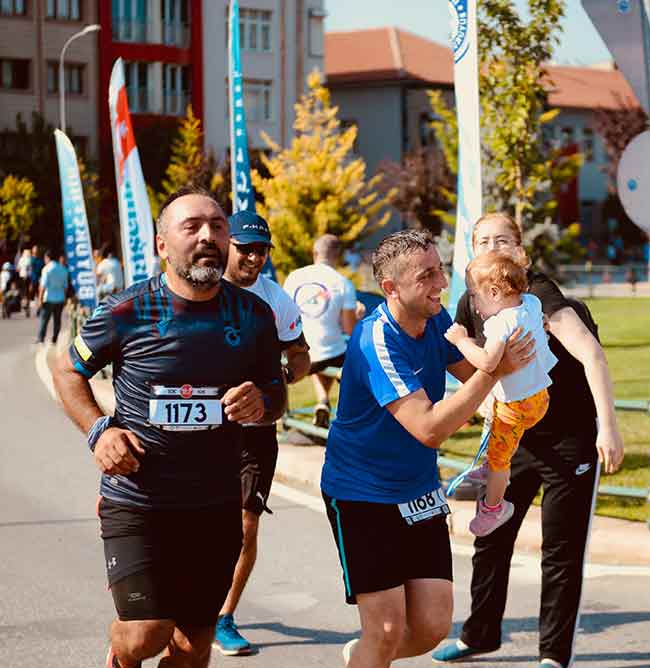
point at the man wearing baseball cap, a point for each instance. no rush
(250, 242)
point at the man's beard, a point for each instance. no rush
(200, 277)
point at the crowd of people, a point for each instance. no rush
(39, 280)
(202, 356)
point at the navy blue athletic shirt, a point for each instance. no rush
(155, 338)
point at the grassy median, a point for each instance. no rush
(624, 325)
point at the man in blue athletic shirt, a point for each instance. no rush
(380, 484)
(194, 358)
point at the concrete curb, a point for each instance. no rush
(613, 542)
(616, 543)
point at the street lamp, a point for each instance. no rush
(94, 27)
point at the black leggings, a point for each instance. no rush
(565, 468)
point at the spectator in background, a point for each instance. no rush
(110, 277)
(51, 295)
(6, 274)
(24, 270)
(352, 257)
(36, 268)
(632, 278)
(327, 302)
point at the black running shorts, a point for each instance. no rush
(378, 550)
(337, 362)
(259, 456)
(170, 564)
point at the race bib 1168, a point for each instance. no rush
(424, 507)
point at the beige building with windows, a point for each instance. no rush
(32, 34)
(282, 41)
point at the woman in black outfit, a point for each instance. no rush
(562, 454)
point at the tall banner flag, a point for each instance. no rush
(240, 168)
(243, 195)
(469, 207)
(136, 223)
(78, 248)
(624, 26)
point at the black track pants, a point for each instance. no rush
(566, 470)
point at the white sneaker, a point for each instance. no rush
(347, 650)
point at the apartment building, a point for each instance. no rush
(379, 78)
(175, 52)
(32, 34)
(281, 42)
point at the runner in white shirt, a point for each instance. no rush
(327, 303)
(250, 242)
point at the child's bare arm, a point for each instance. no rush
(486, 358)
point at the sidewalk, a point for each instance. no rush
(607, 290)
(613, 541)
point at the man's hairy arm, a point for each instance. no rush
(116, 448)
(298, 359)
(75, 393)
(433, 423)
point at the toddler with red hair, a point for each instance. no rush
(497, 285)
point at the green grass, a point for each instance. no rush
(624, 327)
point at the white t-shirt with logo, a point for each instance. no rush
(286, 313)
(321, 293)
(534, 376)
(110, 272)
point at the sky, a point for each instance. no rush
(580, 43)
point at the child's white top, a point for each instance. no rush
(533, 377)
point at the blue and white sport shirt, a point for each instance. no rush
(369, 455)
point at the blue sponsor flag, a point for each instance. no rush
(243, 195)
(464, 45)
(78, 248)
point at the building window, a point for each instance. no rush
(73, 76)
(567, 136)
(136, 77)
(176, 89)
(425, 131)
(130, 21)
(176, 22)
(13, 8)
(316, 32)
(257, 101)
(548, 137)
(588, 145)
(255, 30)
(14, 74)
(67, 10)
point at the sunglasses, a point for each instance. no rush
(246, 249)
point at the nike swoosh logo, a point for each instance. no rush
(583, 468)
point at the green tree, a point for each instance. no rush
(316, 185)
(18, 208)
(521, 175)
(30, 153)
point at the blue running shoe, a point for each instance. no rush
(455, 652)
(227, 638)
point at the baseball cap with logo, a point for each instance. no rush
(247, 227)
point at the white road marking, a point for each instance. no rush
(43, 370)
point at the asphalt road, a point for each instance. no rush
(55, 610)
